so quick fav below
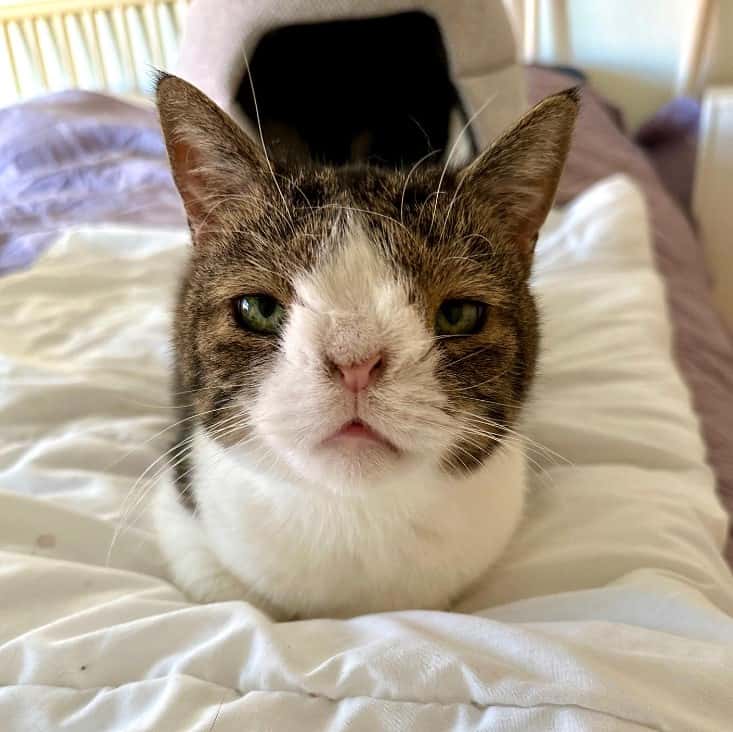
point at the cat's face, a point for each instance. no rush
(351, 321)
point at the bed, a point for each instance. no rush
(612, 609)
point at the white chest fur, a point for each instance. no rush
(414, 542)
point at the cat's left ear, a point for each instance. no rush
(513, 183)
(214, 162)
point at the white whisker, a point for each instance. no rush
(259, 129)
(452, 152)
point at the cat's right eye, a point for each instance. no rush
(258, 313)
(460, 317)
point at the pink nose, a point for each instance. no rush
(359, 376)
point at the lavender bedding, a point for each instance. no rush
(669, 139)
(80, 158)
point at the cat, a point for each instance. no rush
(353, 349)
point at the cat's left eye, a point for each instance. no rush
(460, 317)
(259, 313)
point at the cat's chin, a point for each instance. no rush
(351, 462)
(348, 463)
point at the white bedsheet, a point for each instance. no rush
(611, 611)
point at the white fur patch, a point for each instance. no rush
(418, 541)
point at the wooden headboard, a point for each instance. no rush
(109, 45)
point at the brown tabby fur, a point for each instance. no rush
(450, 234)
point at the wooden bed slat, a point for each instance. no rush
(106, 45)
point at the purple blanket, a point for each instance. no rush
(79, 158)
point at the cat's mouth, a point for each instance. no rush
(356, 432)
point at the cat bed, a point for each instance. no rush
(610, 611)
(389, 80)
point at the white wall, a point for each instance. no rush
(631, 49)
(721, 63)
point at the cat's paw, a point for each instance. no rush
(222, 586)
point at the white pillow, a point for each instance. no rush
(609, 611)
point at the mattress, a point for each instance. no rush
(610, 611)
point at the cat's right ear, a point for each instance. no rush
(214, 162)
